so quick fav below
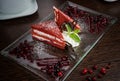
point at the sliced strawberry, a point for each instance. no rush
(61, 17)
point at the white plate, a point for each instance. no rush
(32, 9)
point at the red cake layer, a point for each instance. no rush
(61, 17)
(48, 32)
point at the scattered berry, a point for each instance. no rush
(23, 50)
(60, 74)
(90, 71)
(84, 71)
(103, 71)
(95, 67)
(53, 66)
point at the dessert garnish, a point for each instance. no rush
(71, 35)
(72, 27)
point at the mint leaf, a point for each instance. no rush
(76, 31)
(73, 33)
(68, 28)
(74, 36)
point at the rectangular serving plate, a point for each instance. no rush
(88, 41)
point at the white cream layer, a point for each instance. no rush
(46, 35)
(69, 40)
(44, 39)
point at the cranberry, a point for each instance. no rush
(95, 67)
(103, 71)
(84, 71)
(90, 71)
(60, 74)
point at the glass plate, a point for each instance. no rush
(93, 25)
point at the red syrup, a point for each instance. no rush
(23, 50)
(53, 66)
(96, 23)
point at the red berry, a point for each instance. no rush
(84, 71)
(95, 67)
(103, 71)
(90, 71)
(60, 74)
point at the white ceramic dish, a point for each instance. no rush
(32, 9)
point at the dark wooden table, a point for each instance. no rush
(107, 49)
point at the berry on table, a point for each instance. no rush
(84, 71)
(90, 71)
(95, 67)
(103, 71)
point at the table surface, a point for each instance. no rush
(106, 51)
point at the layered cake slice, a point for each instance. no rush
(48, 32)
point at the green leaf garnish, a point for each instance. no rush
(75, 37)
(73, 33)
(68, 28)
(76, 31)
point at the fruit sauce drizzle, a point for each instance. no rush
(96, 23)
(53, 66)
